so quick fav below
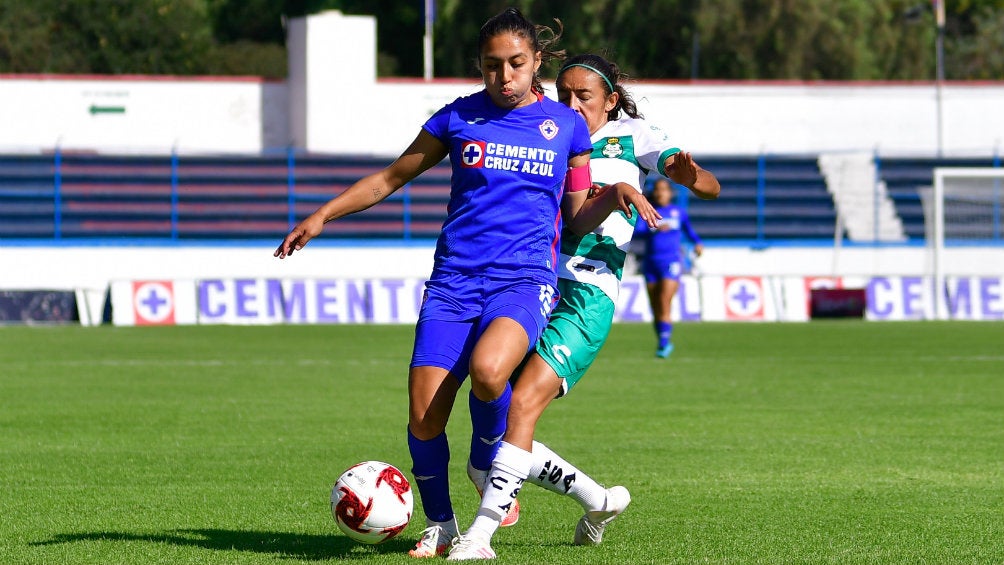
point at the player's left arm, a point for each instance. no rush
(604, 200)
(424, 152)
(682, 169)
(585, 210)
(692, 234)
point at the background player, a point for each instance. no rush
(492, 285)
(664, 260)
(589, 271)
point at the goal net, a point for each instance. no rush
(963, 208)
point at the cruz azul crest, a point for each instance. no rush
(548, 129)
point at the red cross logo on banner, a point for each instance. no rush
(153, 303)
(743, 298)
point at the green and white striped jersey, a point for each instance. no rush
(624, 150)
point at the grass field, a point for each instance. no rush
(842, 442)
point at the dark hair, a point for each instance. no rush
(650, 194)
(612, 78)
(541, 38)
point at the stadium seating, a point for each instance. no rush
(202, 197)
(904, 177)
(764, 198)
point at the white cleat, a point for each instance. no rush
(470, 547)
(589, 530)
(434, 542)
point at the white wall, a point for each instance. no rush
(332, 75)
(730, 118)
(334, 104)
(795, 118)
(383, 117)
(37, 113)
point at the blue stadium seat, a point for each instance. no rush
(248, 197)
(904, 177)
(795, 201)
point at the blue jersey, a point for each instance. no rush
(508, 175)
(665, 245)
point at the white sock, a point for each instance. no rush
(509, 470)
(477, 476)
(552, 472)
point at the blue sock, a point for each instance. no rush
(430, 466)
(665, 332)
(488, 420)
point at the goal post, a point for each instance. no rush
(965, 207)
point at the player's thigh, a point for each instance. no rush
(578, 328)
(670, 286)
(439, 364)
(670, 282)
(442, 340)
(514, 316)
(497, 353)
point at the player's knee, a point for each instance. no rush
(489, 375)
(426, 425)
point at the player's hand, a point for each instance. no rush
(628, 195)
(699, 249)
(683, 169)
(303, 232)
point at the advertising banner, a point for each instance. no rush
(255, 301)
(41, 306)
(153, 303)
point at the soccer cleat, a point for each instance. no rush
(589, 530)
(470, 547)
(434, 542)
(479, 477)
(664, 351)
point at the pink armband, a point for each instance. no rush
(578, 179)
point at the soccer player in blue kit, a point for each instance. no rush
(518, 159)
(625, 149)
(663, 262)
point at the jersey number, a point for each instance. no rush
(546, 299)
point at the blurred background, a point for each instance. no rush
(179, 140)
(665, 39)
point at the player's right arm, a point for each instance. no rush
(424, 152)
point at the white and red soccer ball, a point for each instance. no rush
(371, 502)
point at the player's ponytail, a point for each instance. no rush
(612, 79)
(541, 38)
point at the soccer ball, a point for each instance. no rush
(371, 502)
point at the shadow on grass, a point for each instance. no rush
(283, 544)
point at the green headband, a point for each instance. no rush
(594, 69)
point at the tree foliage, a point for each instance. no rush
(654, 39)
(104, 36)
(815, 39)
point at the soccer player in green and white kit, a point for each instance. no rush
(625, 149)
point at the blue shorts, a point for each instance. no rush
(657, 269)
(457, 309)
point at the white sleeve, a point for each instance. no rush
(652, 147)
